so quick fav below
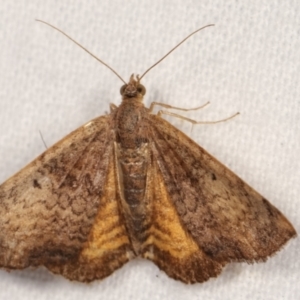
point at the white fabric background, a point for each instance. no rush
(248, 62)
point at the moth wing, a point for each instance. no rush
(107, 246)
(50, 210)
(228, 220)
(168, 243)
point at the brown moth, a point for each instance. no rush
(129, 184)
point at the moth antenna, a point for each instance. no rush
(102, 62)
(174, 49)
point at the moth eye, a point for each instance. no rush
(122, 89)
(141, 89)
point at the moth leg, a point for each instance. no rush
(112, 107)
(174, 107)
(164, 112)
(43, 140)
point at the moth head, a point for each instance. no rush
(133, 89)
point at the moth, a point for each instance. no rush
(128, 184)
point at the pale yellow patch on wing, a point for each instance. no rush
(108, 232)
(166, 232)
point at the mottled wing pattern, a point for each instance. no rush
(168, 244)
(50, 209)
(225, 218)
(107, 247)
